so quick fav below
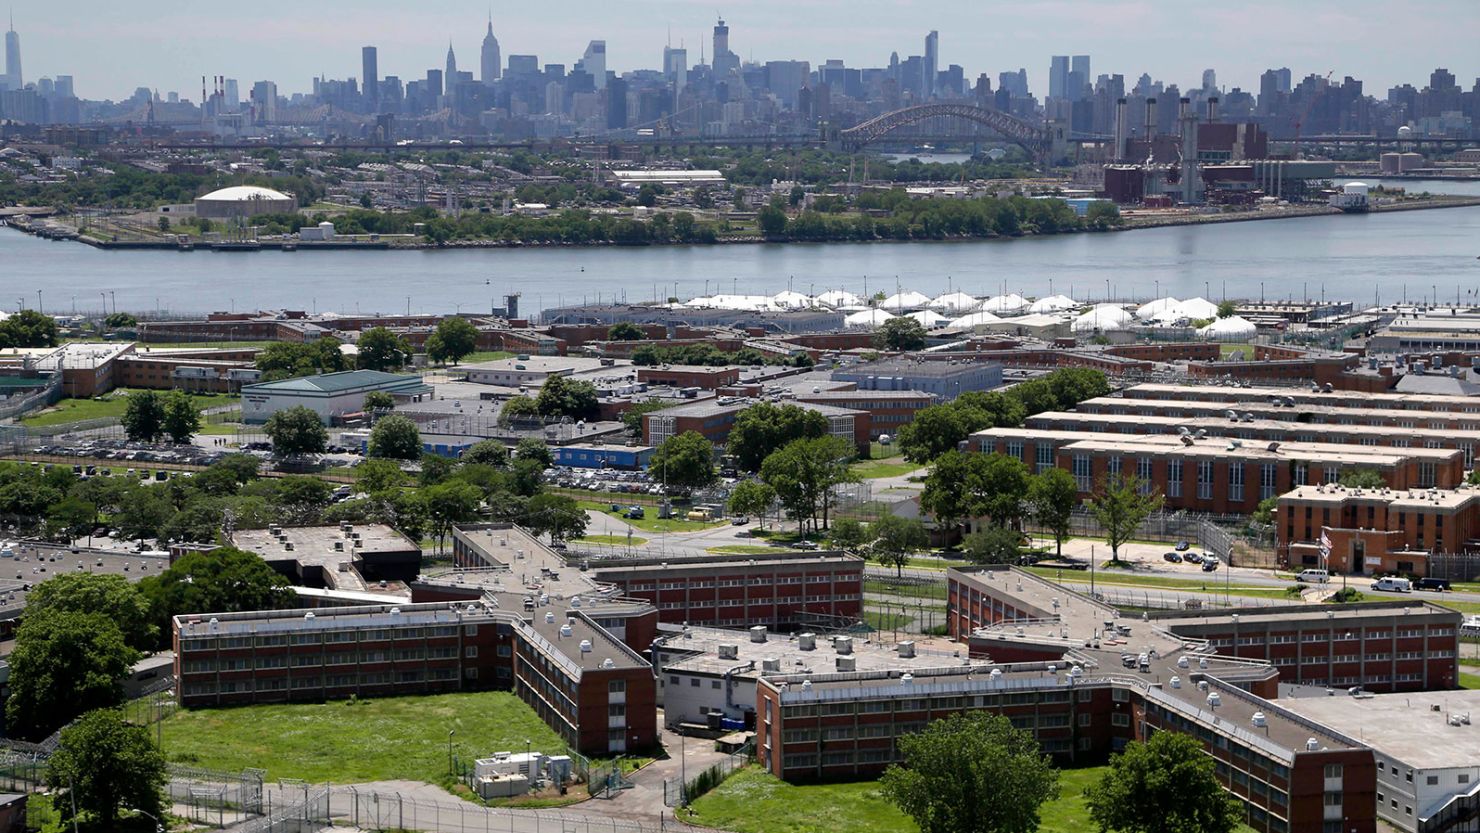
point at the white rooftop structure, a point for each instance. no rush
(975, 319)
(868, 319)
(954, 303)
(1103, 317)
(1005, 303)
(1198, 308)
(793, 300)
(1234, 326)
(1053, 303)
(929, 318)
(1151, 309)
(839, 298)
(909, 299)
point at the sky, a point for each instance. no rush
(111, 48)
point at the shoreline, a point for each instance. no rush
(1132, 223)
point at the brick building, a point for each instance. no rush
(689, 376)
(887, 409)
(945, 379)
(1375, 530)
(783, 591)
(1297, 414)
(715, 417)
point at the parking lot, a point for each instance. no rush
(124, 451)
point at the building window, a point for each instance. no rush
(1015, 450)
(471, 652)
(1120, 719)
(1302, 474)
(1174, 479)
(1045, 456)
(1235, 482)
(1113, 466)
(1143, 475)
(616, 686)
(1267, 480)
(1205, 480)
(1082, 472)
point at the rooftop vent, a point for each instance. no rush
(907, 678)
(1260, 720)
(608, 664)
(807, 641)
(1214, 701)
(906, 649)
(843, 644)
(758, 633)
(1176, 682)
(565, 630)
(729, 652)
(770, 664)
(585, 646)
(847, 663)
(806, 685)
(1311, 744)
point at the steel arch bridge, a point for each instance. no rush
(1038, 141)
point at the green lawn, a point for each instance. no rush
(876, 469)
(110, 406)
(1470, 681)
(933, 590)
(371, 740)
(1121, 578)
(485, 356)
(612, 540)
(884, 621)
(753, 802)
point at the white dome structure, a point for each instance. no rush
(1151, 309)
(839, 298)
(699, 303)
(1005, 303)
(243, 201)
(909, 299)
(1232, 327)
(1053, 303)
(929, 319)
(867, 320)
(793, 300)
(1102, 318)
(975, 319)
(1195, 308)
(955, 303)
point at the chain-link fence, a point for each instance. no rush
(391, 811)
(680, 793)
(1209, 532)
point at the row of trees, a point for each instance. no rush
(559, 397)
(912, 219)
(941, 428)
(150, 416)
(377, 349)
(708, 355)
(28, 328)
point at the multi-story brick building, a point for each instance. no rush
(1375, 530)
(783, 590)
(945, 379)
(1304, 396)
(715, 417)
(1297, 415)
(887, 410)
(689, 376)
(597, 693)
(1212, 474)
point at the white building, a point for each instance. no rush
(329, 395)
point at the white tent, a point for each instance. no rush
(1234, 326)
(1053, 303)
(743, 302)
(696, 303)
(1104, 317)
(1151, 309)
(955, 302)
(839, 298)
(1198, 308)
(867, 320)
(1005, 303)
(975, 319)
(909, 299)
(928, 318)
(793, 300)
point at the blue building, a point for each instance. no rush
(628, 457)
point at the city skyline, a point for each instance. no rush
(112, 51)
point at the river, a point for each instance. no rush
(1348, 257)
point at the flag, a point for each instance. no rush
(1325, 546)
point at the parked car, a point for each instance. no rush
(1209, 565)
(1171, 558)
(1439, 584)
(1192, 558)
(1314, 576)
(805, 545)
(739, 520)
(1183, 546)
(1393, 584)
(635, 513)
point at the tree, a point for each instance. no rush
(181, 416)
(934, 431)
(120, 320)
(647, 195)
(224, 580)
(103, 765)
(1120, 505)
(533, 449)
(518, 408)
(296, 431)
(1163, 785)
(685, 461)
(1362, 479)
(752, 497)
(1072, 385)
(379, 402)
(560, 517)
(1103, 214)
(451, 503)
(454, 338)
(971, 773)
(848, 535)
(993, 545)
(562, 397)
(143, 416)
(625, 331)
(900, 334)
(381, 349)
(98, 592)
(1053, 496)
(998, 488)
(804, 472)
(763, 427)
(944, 495)
(895, 538)
(70, 518)
(301, 500)
(65, 663)
(144, 512)
(486, 453)
(286, 359)
(28, 328)
(396, 438)
(772, 221)
(1265, 511)
(1226, 309)
(375, 477)
(434, 469)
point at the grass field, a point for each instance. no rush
(876, 469)
(110, 406)
(484, 356)
(914, 591)
(371, 740)
(650, 524)
(753, 802)
(1470, 681)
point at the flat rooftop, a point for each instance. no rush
(696, 651)
(207, 625)
(585, 645)
(315, 544)
(1402, 498)
(1391, 401)
(518, 564)
(1372, 455)
(921, 369)
(1222, 426)
(1403, 726)
(548, 364)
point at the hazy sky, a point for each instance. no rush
(112, 47)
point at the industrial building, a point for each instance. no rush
(243, 201)
(943, 379)
(330, 395)
(714, 418)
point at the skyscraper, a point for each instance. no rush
(932, 63)
(594, 63)
(676, 67)
(492, 63)
(13, 77)
(1210, 81)
(1077, 83)
(449, 78)
(369, 63)
(1058, 75)
(725, 61)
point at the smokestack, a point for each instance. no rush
(1213, 110)
(1150, 118)
(1121, 129)
(1187, 122)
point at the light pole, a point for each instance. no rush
(450, 733)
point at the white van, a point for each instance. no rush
(1314, 576)
(1393, 584)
